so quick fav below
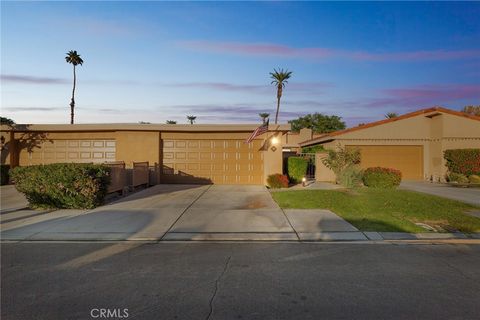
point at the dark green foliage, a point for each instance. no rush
(464, 161)
(313, 149)
(4, 172)
(63, 185)
(297, 168)
(378, 177)
(6, 121)
(277, 180)
(318, 122)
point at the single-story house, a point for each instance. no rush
(184, 153)
(412, 143)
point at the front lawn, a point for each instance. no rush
(385, 210)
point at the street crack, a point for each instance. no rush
(212, 299)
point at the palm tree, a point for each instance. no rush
(74, 58)
(280, 78)
(264, 116)
(391, 115)
(191, 119)
(171, 122)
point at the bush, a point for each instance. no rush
(378, 177)
(339, 160)
(297, 168)
(313, 149)
(464, 161)
(276, 181)
(457, 177)
(350, 177)
(63, 185)
(474, 178)
(4, 173)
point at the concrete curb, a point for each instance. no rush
(355, 236)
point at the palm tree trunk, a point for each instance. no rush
(72, 103)
(278, 108)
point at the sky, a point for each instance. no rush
(157, 61)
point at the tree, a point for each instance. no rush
(280, 78)
(473, 110)
(191, 119)
(391, 115)
(74, 58)
(319, 123)
(6, 121)
(171, 122)
(264, 116)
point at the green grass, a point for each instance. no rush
(385, 210)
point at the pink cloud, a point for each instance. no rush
(317, 53)
(298, 87)
(426, 95)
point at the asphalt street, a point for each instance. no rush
(239, 280)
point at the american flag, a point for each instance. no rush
(260, 130)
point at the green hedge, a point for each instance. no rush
(297, 168)
(463, 161)
(4, 173)
(63, 185)
(277, 180)
(378, 177)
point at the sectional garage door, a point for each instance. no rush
(407, 159)
(219, 161)
(54, 151)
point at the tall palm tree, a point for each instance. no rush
(74, 58)
(191, 119)
(264, 116)
(280, 78)
(391, 115)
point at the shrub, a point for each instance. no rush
(350, 177)
(340, 159)
(63, 185)
(297, 168)
(378, 177)
(277, 180)
(4, 173)
(457, 177)
(474, 178)
(464, 161)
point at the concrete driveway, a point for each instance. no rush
(467, 195)
(178, 212)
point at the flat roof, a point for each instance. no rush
(144, 127)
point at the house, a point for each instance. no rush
(182, 153)
(412, 143)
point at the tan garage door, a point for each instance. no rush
(219, 161)
(54, 151)
(407, 159)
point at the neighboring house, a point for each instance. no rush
(412, 143)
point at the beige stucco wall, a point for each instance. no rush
(322, 173)
(137, 146)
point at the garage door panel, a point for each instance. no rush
(228, 161)
(407, 159)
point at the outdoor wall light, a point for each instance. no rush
(275, 140)
(303, 181)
